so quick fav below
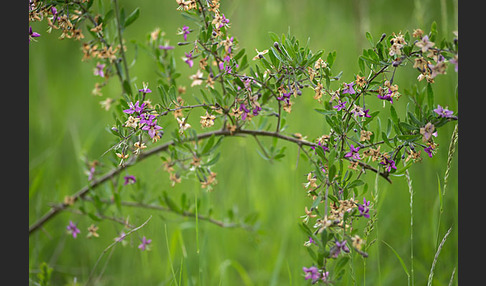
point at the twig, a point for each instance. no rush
(112, 245)
(133, 160)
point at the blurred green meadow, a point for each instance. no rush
(68, 126)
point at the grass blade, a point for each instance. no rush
(399, 258)
(431, 274)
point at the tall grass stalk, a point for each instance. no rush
(169, 255)
(431, 274)
(112, 245)
(450, 155)
(410, 190)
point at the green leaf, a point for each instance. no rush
(170, 203)
(393, 114)
(370, 39)
(355, 183)
(325, 112)
(132, 17)
(430, 95)
(306, 229)
(407, 126)
(127, 89)
(209, 144)
(399, 258)
(330, 58)
(273, 36)
(213, 161)
(44, 274)
(340, 264)
(324, 238)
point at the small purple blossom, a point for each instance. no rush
(365, 113)
(185, 31)
(311, 241)
(33, 34)
(73, 229)
(145, 89)
(340, 105)
(224, 22)
(91, 173)
(325, 148)
(428, 150)
(152, 128)
(134, 108)
(325, 275)
(285, 95)
(99, 70)
(129, 180)
(311, 273)
(188, 59)
(245, 111)
(146, 118)
(364, 209)
(145, 243)
(166, 47)
(256, 110)
(455, 62)
(353, 153)
(121, 237)
(387, 96)
(443, 112)
(389, 163)
(349, 88)
(340, 246)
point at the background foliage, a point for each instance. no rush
(67, 125)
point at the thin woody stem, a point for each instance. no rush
(122, 52)
(56, 209)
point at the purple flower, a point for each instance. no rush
(340, 105)
(145, 90)
(73, 229)
(387, 96)
(443, 112)
(144, 243)
(353, 153)
(311, 273)
(428, 150)
(285, 95)
(365, 113)
(152, 128)
(121, 237)
(185, 31)
(32, 34)
(129, 180)
(188, 59)
(364, 208)
(349, 88)
(99, 70)
(389, 163)
(224, 22)
(336, 250)
(455, 62)
(91, 173)
(167, 47)
(245, 111)
(256, 110)
(146, 118)
(323, 148)
(134, 108)
(325, 275)
(311, 241)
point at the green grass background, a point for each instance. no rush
(67, 124)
